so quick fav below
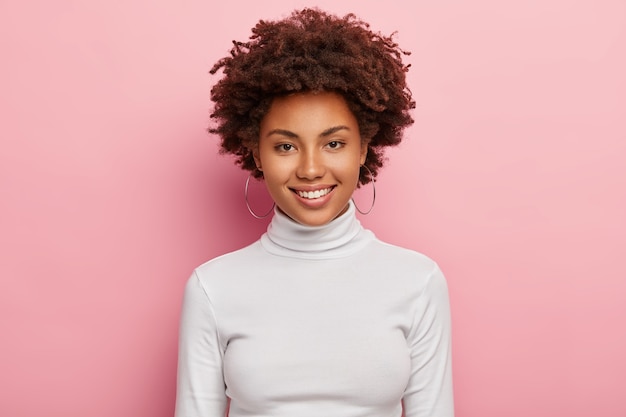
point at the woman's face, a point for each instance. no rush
(310, 152)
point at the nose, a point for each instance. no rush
(310, 166)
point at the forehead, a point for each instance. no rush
(310, 110)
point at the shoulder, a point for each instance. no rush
(407, 269)
(232, 264)
(402, 258)
(415, 271)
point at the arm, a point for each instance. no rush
(200, 384)
(429, 392)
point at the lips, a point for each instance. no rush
(313, 194)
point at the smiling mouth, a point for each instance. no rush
(312, 195)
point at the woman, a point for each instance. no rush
(318, 317)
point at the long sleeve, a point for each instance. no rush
(429, 392)
(200, 383)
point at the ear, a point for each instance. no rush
(257, 158)
(363, 156)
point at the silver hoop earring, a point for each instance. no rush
(245, 192)
(373, 192)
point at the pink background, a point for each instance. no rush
(513, 179)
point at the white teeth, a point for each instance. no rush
(313, 194)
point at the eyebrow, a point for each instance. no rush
(290, 134)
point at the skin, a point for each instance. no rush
(310, 142)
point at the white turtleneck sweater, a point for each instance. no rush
(316, 321)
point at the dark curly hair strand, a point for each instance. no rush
(312, 51)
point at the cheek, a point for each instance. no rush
(351, 165)
(348, 173)
(275, 174)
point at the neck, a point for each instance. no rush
(338, 238)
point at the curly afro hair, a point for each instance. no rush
(312, 50)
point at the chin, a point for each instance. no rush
(316, 219)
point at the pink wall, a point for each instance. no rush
(513, 178)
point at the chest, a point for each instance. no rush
(319, 335)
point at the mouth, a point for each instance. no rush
(312, 195)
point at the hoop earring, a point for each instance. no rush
(373, 191)
(245, 192)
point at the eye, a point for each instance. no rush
(285, 147)
(335, 144)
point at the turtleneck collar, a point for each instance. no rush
(341, 237)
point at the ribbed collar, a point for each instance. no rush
(341, 237)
